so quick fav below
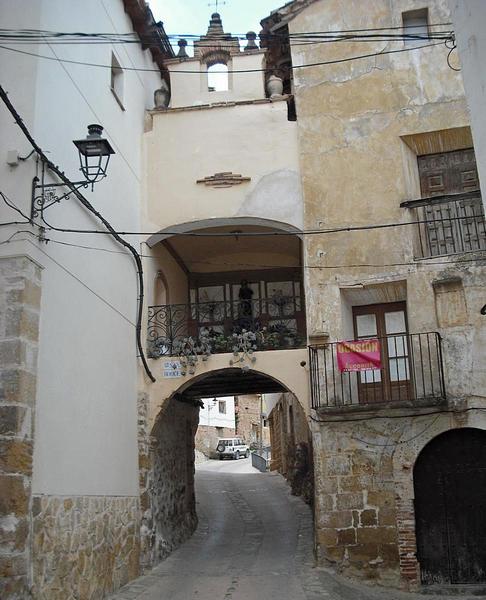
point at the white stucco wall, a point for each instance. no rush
(254, 140)
(210, 415)
(86, 411)
(189, 81)
(469, 18)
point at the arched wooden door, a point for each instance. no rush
(450, 508)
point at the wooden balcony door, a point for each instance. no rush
(451, 227)
(388, 322)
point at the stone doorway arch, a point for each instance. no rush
(450, 508)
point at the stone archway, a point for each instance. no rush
(166, 456)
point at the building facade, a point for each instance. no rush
(226, 314)
(70, 504)
(389, 177)
(217, 419)
(300, 194)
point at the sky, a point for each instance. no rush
(192, 16)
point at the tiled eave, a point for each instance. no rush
(151, 32)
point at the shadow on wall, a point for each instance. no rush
(166, 458)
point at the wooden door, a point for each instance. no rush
(450, 508)
(458, 225)
(388, 322)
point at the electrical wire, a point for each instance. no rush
(43, 34)
(426, 261)
(84, 284)
(70, 185)
(49, 226)
(198, 71)
(401, 416)
(398, 443)
(217, 234)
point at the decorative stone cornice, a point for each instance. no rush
(224, 179)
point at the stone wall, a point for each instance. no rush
(248, 420)
(167, 479)
(20, 294)
(365, 522)
(247, 417)
(292, 454)
(84, 547)
(207, 438)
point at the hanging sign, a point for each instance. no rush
(358, 355)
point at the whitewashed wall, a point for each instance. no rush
(85, 430)
(469, 18)
(210, 415)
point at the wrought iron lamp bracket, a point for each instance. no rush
(45, 195)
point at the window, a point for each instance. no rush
(388, 322)
(415, 22)
(116, 81)
(456, 222)
(222, 407)
(218, 78)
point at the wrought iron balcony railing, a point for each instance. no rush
(278, 322)
(411, 371)
(449, 224)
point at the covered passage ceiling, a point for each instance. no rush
(235, 251)
(231, 382)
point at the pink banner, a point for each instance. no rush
(358, 355)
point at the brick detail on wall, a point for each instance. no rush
(20, 294)
(407, 546)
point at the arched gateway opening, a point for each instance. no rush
(450, 508)
(169, 495)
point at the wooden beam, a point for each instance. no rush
(175, 256)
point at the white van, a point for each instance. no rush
(234, 448)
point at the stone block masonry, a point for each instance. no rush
(84, 547)
(356, 512)
(166, 460)
(20, 295)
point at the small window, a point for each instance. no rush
(116, 82)
(222, 407)
(218, 78)
(415, 23)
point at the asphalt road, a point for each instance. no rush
(253, 542)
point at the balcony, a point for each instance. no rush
(411, 373)
(449, 224)
(278, 324)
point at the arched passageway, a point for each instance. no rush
(168, 461)
(450, 508)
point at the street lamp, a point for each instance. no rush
(94, 155)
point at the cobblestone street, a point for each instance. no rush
(254, 542)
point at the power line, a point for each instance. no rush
(79, 280)
(198, 71)
(81, 198)
(401, 416)
(302, 233)
(399, 442)
(426, 261)
(43, 34)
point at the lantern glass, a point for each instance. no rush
(94, 154)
